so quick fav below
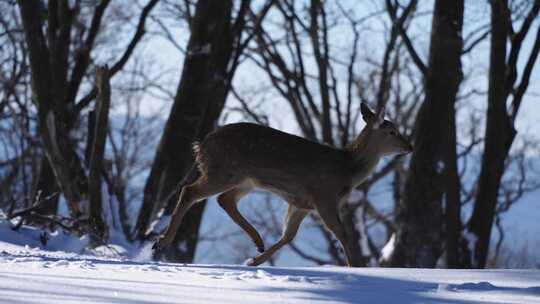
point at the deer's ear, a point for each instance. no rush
(379, 117)
(367, 114)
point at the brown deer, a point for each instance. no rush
(237, 158)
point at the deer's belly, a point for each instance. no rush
(289, 192)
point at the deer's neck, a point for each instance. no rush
(364, 159)
(363, 166)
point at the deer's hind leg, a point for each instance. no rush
(229, 201)
(190, 195)
(292, 222)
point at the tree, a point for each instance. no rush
(213, 54)
(432, 171)
(500, 132)
(418, 229)
(60, 45)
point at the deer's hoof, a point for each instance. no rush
(256, 261)
(250, 262)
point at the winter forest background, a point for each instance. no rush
(100, 101)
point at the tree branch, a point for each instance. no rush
(139, 33)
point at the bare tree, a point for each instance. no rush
(504, 88)
(60, 41)
(99, 136)
(433, 169)
(19, 154)
(213, 54)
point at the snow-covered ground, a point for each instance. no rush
(32, 275)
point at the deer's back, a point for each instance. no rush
(272, 158)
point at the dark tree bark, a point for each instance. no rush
(499, 136)
(457, 255)
(46, 186)
(98, 227)
(500, 131)
(418, 220)
(209, 65)
(64, 161)
(58, 67)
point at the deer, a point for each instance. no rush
(238, 158)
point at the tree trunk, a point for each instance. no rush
(499, 136)
(418, 219)
(200, 98)
(348, 216)
(58, 67)
(46, 186)
(58, 148)
(98, 228)
(457, 255)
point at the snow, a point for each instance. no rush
(471, 240)
(388, 249)
(34, 275)
(440, 167)
(64, 271)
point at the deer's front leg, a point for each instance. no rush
(330, 218)
(228, 201)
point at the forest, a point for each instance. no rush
(102, 100)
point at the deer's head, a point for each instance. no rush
(382, 135)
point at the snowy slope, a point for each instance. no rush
(30, 275)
